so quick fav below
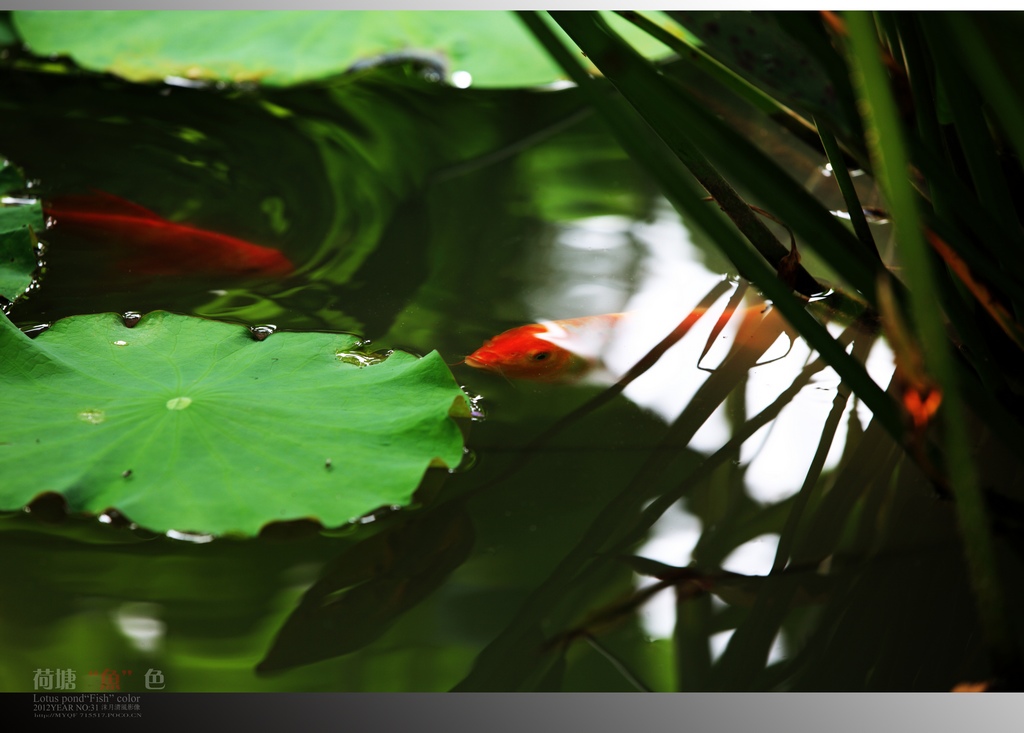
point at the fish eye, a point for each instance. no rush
(540, 355)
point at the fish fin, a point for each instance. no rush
(598, 375)
(587, 336)
(100, 202)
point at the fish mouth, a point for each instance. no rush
(481, 359)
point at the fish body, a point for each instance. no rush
(549, 351)
(565, 351)
(159, 246)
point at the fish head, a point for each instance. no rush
(527, 353)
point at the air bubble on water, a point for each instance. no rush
(476, 411)
(114, 518)
(194, 537)
(180, 81)
(261, 332)
(556, 86)
(33, 331)
(376, 514)
(467, 462)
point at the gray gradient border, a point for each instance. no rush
(589, 712)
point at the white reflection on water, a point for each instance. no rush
(583, 276)
(141, 625)
(462, 79)
(672, 542)
(718, 642)
(754, 557)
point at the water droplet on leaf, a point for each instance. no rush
(93, 417)
(360, 359)
(195, 537)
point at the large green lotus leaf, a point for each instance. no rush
(288, 47)
(18, 225)
(188, 424)
(17, 249)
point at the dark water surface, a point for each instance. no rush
(426, 217)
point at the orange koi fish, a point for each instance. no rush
(563, 351)
(549, 351)
(157, 246)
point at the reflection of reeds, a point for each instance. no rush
(624, 521)
(942, 134)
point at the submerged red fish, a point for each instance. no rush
(157, 246)
(564, 351)
(550, 351)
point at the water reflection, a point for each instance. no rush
(141, 625)
(588, 261)
(669, 279)
(417, 258)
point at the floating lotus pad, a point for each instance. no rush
(291, 47)
(188, 424)
(19, 224)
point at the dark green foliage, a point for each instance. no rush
(940, 128)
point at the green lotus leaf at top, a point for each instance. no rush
(193, 425)
(289, 47)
